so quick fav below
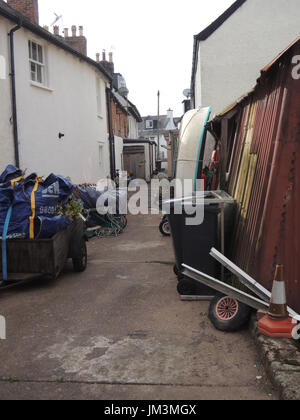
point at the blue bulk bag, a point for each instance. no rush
(88, 196)
(6, 199)
(16, 228)
(49, 194)
(11, 173)
(47, 227)
(33, 198)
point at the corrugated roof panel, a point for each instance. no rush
(265, 178)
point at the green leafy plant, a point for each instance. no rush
(72, 209)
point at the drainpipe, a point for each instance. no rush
(13, 93)
(111, 135)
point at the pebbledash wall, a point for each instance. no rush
(72, 102)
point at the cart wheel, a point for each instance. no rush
(227, 314)
(124, 221)
(80, 264)
(164, 227)
(185, 287)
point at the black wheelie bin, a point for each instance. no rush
(193, 243)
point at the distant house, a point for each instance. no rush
(125, 120)
(120, 115)
(54, 117)
(125, 116)
(167, 129)
(229, 52)
(134, 117)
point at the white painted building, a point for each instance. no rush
(119, 148)
(229, 54)
(133, 115)
(61, 104)
(133, 127)
(148, 129)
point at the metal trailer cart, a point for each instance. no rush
(28, 259)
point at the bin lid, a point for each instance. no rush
(204, 197)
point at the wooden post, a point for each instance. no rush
(224, 153)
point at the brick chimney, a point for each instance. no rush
(108, 65)
(28, 8)
(76, 41)
(170, 125)
(56, 30)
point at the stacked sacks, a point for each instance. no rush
(112, 198)
(6, 199)
(8, 179)
(11, 175)
(34, 204)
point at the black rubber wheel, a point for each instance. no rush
(176, 270)
(180, 277)
(227, 314)
(80, 263)
(124, 221)
(186, 287)
(164, 227)
(178, 273)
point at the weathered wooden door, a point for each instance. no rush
(134, 161)
(140, 166)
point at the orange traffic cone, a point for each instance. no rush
(277, 323)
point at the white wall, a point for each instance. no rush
(68, 105)
(162, 142)
(119, 145)
(231, 59)
(133, 128)
(6, 136)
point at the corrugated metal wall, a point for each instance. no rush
(265, 178)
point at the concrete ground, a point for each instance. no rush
(120, 331)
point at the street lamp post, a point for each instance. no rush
(158, 125)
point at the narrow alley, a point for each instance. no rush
(120, 331)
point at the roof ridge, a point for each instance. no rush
(15, 16)
(210, 29)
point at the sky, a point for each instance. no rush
(152, 42)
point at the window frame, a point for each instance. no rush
(39, 63)
(151, 123)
